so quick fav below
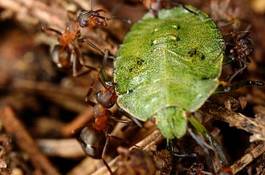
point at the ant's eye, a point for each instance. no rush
(82, 22)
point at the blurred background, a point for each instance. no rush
(43, 106)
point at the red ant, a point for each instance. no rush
(94, 18)
(95, 137)
(66, 53)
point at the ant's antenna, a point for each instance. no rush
(91, 5)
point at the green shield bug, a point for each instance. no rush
(168, 66)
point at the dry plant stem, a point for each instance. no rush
(42, 86)
(70, 128)
(86, 167)
(257, 128)
(65, 148)
(70, 100)
(89, 165)
(15, 128)
(248, 158)
(147, 143)
(66, 102)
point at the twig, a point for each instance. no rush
(248, 158)
(148, 142)
(86, 167)
(69, 99)
(66, 148)
(70, 128)
(42, 86)
(254, 126)
(15, 128)
(66, 102)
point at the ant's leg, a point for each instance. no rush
(103, 76)
(120, 120)
(46, 29)
(100, 10)
(75, 55)
(78, 62)
(89, 91)
(82, 63)
(107, 166)
(86, 39)
(246, 83)
(133, 119)
(104, 152)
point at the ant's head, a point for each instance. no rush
(83, 18)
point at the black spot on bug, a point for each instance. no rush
(202, 57)
(136, 65)
(205, 78)
(192, 52)
(130, 91)
(140, 62)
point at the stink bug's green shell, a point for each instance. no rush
(168, 66)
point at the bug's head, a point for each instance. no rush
(92, 142)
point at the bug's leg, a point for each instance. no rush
(237, 85)
(237, 72)
(133, 119)
(208, 142)
(47, 30)
(175, 152)
(188, 9)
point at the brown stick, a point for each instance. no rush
(254, 126)
(65, 148)
(15, 128)
(148, 142)
(70, 128)
(248, 158)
